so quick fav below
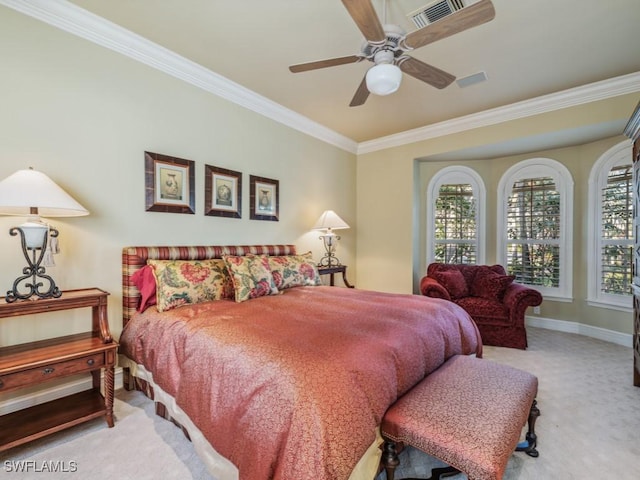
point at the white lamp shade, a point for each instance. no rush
(28, 189)
(329, 220)
(383, 79)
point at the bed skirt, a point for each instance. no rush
(218, 466)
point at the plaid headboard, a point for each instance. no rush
(134, 258)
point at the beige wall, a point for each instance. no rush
(391, 236)
(85, 115)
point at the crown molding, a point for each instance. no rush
(547, 103)
(77, 21)
(632, 130)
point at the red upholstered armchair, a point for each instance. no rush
(489, 295)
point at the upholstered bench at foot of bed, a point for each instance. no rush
(469, 413)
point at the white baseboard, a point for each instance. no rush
(624, 339)
(52, 393)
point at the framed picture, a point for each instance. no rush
(222, 192)
(169, 184)
(264, 198)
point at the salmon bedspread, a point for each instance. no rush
(293, 386)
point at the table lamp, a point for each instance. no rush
(329, 221)
(31, 193)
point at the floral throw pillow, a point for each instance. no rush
(489, 284)
(251, 276)
(182, 282)
(294, 271)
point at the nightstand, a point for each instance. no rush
(331, 271)
(34, 363)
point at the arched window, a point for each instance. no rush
(455, 216)
(535, 219)
(611, 229)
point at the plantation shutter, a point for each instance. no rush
(533, 232)
(617, 231)
(455, 224)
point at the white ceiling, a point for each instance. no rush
(531, 48)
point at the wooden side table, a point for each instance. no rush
(33, 363)
(332, 270)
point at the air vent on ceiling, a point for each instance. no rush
(435, 11)
(471, 79)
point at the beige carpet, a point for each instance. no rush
(141, 446)
(589, 427)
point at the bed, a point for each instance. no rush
(291, 384)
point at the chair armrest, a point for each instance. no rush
(517, 298)
(431, 288)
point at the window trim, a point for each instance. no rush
(457, 174)
(534, 168)
(619, 154)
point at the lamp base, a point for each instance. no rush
(329, 242)
(329, 260)
(33, 273)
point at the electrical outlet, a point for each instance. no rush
(536, 310)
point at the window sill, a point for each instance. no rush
(554, 298)
(610, 306)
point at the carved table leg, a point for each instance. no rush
(108, 394)
(390, 461)
(531, 439)
(344, 279)
(390, 458)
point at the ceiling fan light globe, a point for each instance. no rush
(383, 79)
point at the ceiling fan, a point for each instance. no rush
(386, 47)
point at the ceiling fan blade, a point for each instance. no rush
(468, 17)
(425, 72)
(366, 19)
(331, 62)
(361, 94)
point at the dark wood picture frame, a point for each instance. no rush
(169, 184)
(264, 198)
(222, 192)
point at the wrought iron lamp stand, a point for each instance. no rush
(34, 271)
(329, 259)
